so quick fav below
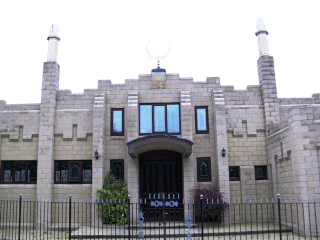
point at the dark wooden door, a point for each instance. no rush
(161, 185)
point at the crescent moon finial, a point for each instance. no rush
(156, 57)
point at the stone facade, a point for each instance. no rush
(254, 127)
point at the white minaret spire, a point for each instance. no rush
(53, 40)
(262, 37)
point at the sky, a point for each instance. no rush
(107, 40)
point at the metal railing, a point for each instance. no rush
(22, 218)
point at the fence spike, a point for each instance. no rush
(250, 200)
(222, 200)
(158, 195)
(149, 196)
(173, 196)
(302, 200)
(169, 196)
(183, 201)
(255, 200)
(228, 200)
(267, 200)
(290, 200)
(145, 201)
(192, 201)
(308, 200)
(314, 200)
(296, 200)
(207, 200)
(188, 201)
(178, 196)
(239, 201)
(245, 201)
(261, 200)
(285, 200)
(272, 200)
(212, 200)
(217, 200)
(234, 201)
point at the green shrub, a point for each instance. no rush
(210, 212)
(112, 212)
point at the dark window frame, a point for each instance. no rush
(234, 178)
(14, 172)
(69, 162)
(207, 120)
(208, 178)
(265, 172)
(113, 161)
(166, 118)
(113, 133)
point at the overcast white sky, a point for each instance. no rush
(107, 40)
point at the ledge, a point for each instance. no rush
(159, 142)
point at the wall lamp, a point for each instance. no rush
(96, 154)
(223, 152)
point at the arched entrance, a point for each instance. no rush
(161, 184)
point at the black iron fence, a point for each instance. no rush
(159, 218)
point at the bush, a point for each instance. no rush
(211, 212)
(113, 212)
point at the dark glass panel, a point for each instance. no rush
(234, 173)
(7, 171)
(32, 172)
(62, 172)
(75, 171)
(87, 171)
(20, 172)
(203, 169)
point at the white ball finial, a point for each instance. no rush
(53, 40)
(262, 37)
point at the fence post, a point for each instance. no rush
(20, 202)
(70, 217)
(129, 215)
(201, 202)
(278, 195)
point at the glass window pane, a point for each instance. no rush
(87, 171)
(75, 171)
(203, 169)
(117, 121)
(62, 172)
(7, 171)
(201, 119)
(20, 173)
(159, 119)
(173, 118)
(32, 172)
(145, 118)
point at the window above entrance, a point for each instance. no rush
(160, 118)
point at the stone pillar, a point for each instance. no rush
(189, 163)
(267, 82)
(45, 175)
(132, 129)
(99, 141)
(221, 142)
(50, 85)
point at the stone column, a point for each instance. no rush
(267, 81)
(50, 85)
(189, 163)
(45, 175)
(99, 141)
(132, 130)
(221, 142)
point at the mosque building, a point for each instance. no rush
(161, 134)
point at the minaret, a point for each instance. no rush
(53, 40)
(267, 78)
(50, 86)
(262, 37)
